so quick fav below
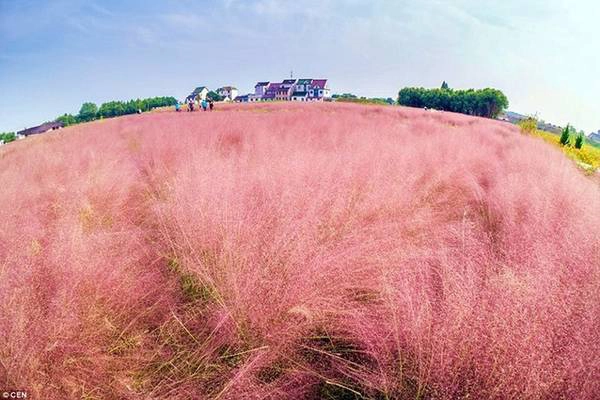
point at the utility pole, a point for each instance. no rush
(292, 74)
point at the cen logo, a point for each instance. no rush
(14, 394)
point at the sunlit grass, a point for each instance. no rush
(589, 155)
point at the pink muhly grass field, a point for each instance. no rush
(292, 251)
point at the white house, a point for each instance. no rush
(261, 88)
(200, 91)
(310, 90)
(319, 90)
(228, 93)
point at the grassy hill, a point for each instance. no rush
(297, 251)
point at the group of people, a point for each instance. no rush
(201, 103)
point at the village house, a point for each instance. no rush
(261, 88)
(201, 91)
(595, 137)
(289, 90)
(45, 127)
(271, 92)
(310, 90)
(319, 90)
(259, 91)
(300, 92)
(242, 98)
(229, 93)
(285, 89)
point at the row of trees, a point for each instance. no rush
(90, 111)
(351, 98)
(481, 102)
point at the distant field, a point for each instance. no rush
(298, 251)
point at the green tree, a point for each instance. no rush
(214, 96)
(88, 112)
(579, 140)
(67, 119)
(564, 137)
(445, 85)
(492, 102)
(111, 109)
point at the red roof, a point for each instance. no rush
(319, 83)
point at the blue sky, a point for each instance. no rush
(54, 55)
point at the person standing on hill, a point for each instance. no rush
(177, 106)
(211, 104)
(204, 105)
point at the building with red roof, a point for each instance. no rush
(307, 89)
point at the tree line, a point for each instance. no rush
(479, 102)
(351, 98)
(90, 111)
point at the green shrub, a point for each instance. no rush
(8, 137)
(528, 126)
(565, 135)
(579, 141)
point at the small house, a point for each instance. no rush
(199, 93)
(595, 137)
(318, 90)
(286, 89)
(45, 127)
(260, 89)
(228, 93)
(271, 92)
